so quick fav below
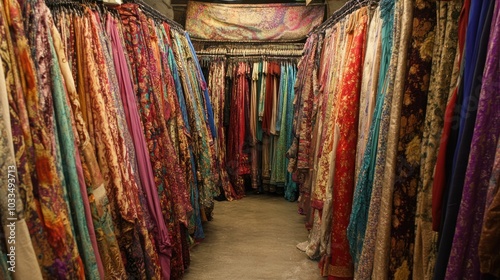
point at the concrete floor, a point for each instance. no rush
(253, 239)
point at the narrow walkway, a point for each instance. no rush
(253, 239)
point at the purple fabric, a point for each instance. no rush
(464, 259)
(143, 160)
(88, 213)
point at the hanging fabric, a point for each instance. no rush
(411, 87)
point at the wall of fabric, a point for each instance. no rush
(395, 144)
(109, 134)
(253, 108)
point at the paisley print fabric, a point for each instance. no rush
(347, 120)
(27, 264)
(59, 243)
(444, 52)
(414, 102)
(222, 22)
(488, 243)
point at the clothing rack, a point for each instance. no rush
(346, 9)
(232, 50)
(250, 52)
(100, 4)
(207, 59)
(77, 5)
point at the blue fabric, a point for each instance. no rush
(209, 110)
(195, 196)
(291, 188)
(477, 37)
(178, 88)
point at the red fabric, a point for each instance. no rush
(345, 160)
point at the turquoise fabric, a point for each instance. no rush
(291, 188)
(363, 190)
(66, 159)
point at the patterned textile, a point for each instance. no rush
(366, 175)
(388, 142)
(99, 203)
(23, 148)
(414, 101)
(103, 225)
(169, 178)
(67, 154)
(81, 158)
(347, 121)
(302, 123)
(53, 238)
(445, 50)
(145, 170)
(203, 147)
(195, 225)
(278, 172)
(488, 243)
(238, 159)
(216, 87)
(358, 220)
(326, 112)
(126, 209)
(26, 263)
(302, 143)
(439, 191)
(261, 22)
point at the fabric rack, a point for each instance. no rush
(395, 146)
(251, 52)
(239, 79)
(93, 98)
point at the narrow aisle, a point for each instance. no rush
(252, 239)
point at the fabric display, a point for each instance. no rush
(253, 108)
(109, 132)
(285, 22)
(395, 143)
